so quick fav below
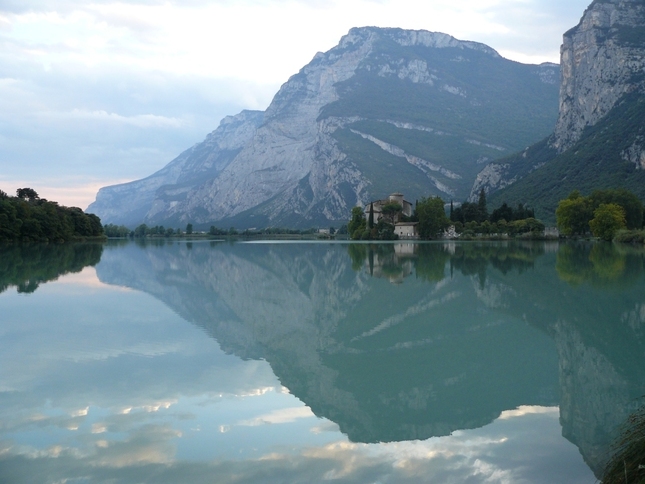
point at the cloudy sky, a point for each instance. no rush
(98, 92)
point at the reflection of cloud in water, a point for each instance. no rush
(507, 451)
(284, 415)
(327, 426)
(524, 410)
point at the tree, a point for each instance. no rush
(141, 230)
(481, 205)
(470, 212)
(391, 212)
(357, 222)
(112, 230)
(630, 203)
(573, 214)
(189, 229)
(432, 217)
(370, 220)
(608, 219)
(504, 212)
(27, 193)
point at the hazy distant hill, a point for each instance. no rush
(599, 139)
(385, 110)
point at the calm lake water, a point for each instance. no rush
(217, 362)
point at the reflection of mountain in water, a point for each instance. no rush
(464, 337)
(27, 266)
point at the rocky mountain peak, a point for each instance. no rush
(602, 58)
(385, 108)
(410, 38)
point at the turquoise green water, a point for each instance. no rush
(313, 362)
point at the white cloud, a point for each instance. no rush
(140, 121)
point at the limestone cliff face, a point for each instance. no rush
(602, 71)
(384, 110)
(601, 59)
(131, 203)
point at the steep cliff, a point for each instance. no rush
(601, 60)
(385, 110)
(598, 140)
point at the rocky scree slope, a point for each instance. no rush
(385, 110)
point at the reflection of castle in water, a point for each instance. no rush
(449, 349)
(392, 261)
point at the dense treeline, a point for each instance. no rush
(469, 220)
(143, 230)
(29, 218)
(265, 231)
(27, 266)
(603, 213)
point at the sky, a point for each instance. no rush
(99, 92)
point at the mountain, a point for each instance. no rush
(599, 138)
(385, 110)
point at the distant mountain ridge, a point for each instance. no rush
(385, 110)
(599, 138)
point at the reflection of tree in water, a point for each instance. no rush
(599, 264)
(431, 262)
(358, 254)
(474, 259)
(26, 267)
(430, 259)
(390, 261)
(627, 464)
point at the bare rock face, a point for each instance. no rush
(493, 177)
(601, 59)
(602, 73)
(369, 117)
(131, 203)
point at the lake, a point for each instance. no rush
(272, 362)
